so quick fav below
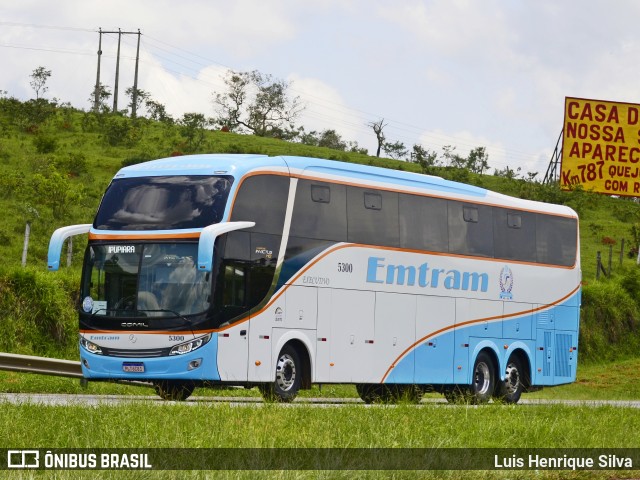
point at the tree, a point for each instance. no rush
(423, 157)
(332, 139)
(507, 172)
(395, 150)
(378, 130)
(38, 81)
(103, 96)
(478, 160)
(192, 128)
(257, 103)
(57, 192)
(140, 97)
(452, 158)
(308, 138)
(352, 146)
(157, 111)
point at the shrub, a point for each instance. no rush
(39, 316)
(116, 131)
(75, 164)
(45, 143)
(610, 318)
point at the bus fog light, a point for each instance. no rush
(193, 364)
(85, 363)
(188, 347)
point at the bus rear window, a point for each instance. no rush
(163, 203)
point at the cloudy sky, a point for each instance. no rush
(491, 73)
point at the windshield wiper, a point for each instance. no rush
(173, 312)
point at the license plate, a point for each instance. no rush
(133, 367)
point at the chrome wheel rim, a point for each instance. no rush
(482, 378)
(512, 379)
(285, 372)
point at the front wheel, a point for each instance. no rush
(288, 377)
(177, 390)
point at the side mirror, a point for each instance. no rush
(208, 238)
(58, 238)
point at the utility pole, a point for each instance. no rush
(96, 95)
(115, 89)
(96, 98)
(134, 98)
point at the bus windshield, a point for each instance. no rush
(163, 203)
(151, 279)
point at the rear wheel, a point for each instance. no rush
(510, 390)
(484, 378)
(288, 377)
(177, 390)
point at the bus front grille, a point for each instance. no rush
(151, 353)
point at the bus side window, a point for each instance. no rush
(470, 229)
(514, 235)
(556, 239)
(372, 217)
(320, 211)
(423, 223)
(262, 199)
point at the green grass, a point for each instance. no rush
(153, 425)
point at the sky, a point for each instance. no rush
(462, 73)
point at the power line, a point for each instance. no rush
(50, 27)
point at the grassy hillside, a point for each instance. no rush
(53, 173)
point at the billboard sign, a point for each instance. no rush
(601, 146)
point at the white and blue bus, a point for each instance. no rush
(283, 272)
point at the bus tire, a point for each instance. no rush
(484, 378)
(510, 390)
(176, 390)
(288, 378)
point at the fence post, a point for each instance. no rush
(25, 247)
(598, 265)
(610, 256)
(69, 251)
(621, 250)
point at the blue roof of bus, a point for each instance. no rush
(238, 165)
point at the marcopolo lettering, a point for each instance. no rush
(425, 276)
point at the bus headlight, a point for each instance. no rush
(190, 346)
(90, 346)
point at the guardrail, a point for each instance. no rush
(14, 362)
